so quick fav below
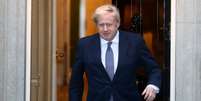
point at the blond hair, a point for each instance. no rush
(106, 9)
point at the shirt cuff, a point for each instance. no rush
(154, 87)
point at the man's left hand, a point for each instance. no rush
(149, 93)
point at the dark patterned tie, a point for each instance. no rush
(109, 63)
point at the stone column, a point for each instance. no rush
(12, 49)
(188, 50)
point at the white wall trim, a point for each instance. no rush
(173, 51)
(82, 18)
(54, 37)
(28, 51)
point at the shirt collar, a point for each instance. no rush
(114, 40)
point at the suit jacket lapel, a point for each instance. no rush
(95, 52)
(123, 45)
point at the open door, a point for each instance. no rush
(63, 47)
(68, 34)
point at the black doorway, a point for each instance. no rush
(151, 19)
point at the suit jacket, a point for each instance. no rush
(133, 54)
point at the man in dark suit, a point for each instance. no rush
(110, 59)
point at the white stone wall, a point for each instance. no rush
(188, 50)
(12, 49)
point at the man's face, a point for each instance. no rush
(107, 26)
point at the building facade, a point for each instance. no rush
(185, 50)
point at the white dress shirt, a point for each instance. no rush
(115, 49)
